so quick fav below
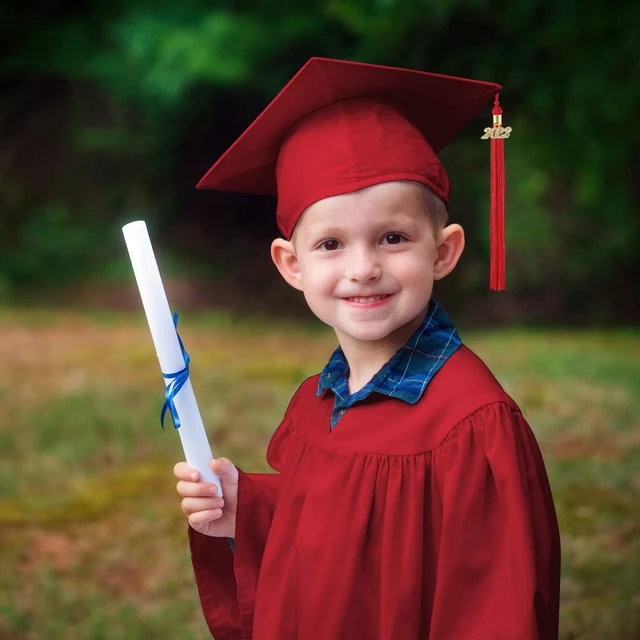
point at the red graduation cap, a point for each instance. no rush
(340, 126)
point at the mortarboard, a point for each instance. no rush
(340, 126)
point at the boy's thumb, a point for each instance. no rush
(225, 468)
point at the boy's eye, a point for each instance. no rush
(392, 238)
(330, 245)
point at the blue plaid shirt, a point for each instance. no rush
(406, 375)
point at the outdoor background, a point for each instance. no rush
(111, 111)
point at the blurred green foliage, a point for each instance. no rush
(112, 107)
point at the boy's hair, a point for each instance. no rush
(433, 207)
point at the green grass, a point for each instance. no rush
(92, 539)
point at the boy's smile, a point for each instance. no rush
(368, 301)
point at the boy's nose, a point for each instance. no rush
(364, 267)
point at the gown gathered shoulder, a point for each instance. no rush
(406, 521)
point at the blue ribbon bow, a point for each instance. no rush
(177, 382)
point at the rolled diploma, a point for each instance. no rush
(154, 300)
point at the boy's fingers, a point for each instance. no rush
(202, 517)
(188, 489)
(193, 505)
(184, 472)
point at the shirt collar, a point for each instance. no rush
(409, 371)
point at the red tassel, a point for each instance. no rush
(497, 236)
(497, 215)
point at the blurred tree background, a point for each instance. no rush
(112, 111)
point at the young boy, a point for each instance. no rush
(411, 499)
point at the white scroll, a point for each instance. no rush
(154, 299)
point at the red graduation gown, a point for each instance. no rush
(432, 520)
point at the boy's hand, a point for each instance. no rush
(209, 514)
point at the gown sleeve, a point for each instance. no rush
(226, 578)
(498, 570)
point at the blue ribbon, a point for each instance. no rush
(177, 382)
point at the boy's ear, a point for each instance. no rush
(450, 245)
(284, 257)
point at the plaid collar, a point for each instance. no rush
(409, 371)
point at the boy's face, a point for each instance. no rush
(365, 262)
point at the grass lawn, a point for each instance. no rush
(92, 540)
